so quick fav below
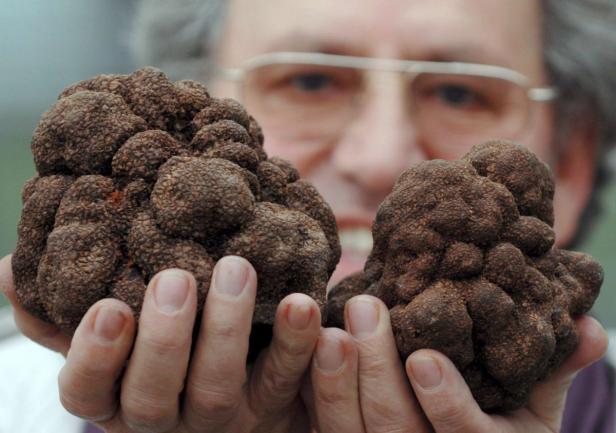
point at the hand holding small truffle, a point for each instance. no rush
(483, 308)
(464, 259)
(152, 386)
(359, 386)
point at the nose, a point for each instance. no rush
(380, 141)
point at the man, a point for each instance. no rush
(351, 122)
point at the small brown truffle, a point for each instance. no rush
(137, 174)
(463, 256)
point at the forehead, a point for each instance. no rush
(483, 31)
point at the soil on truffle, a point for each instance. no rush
(137, 174)
(463, 257)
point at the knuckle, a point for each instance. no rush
(446, 412)
(93, 407)
(382, 414)
(147, 425)
(293, 348)
(331, 397)
(273, 380)
(88, 373)
(391, 428)
(383, 411)
(331, 394)
(374, 365)
(225, 330)
(274, 385)
(212, 399)
(81, 394)
(76, 406)
(146, 415)
(73, 405)
(164, 344)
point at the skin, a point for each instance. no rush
(154, 388)
(355, 381)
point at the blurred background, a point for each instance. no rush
(47, 45)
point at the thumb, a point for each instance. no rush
(443, 394)
(547, 400)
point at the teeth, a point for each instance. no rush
(358, 240)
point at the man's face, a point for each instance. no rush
(356, 167)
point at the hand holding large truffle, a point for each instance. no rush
(463, 257)
(137, 174)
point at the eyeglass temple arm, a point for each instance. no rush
(542, 94)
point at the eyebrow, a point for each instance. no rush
(468, 53)
(303, 42)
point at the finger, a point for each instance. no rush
(307, 395)
(35, 329)
(100, 347)
(157, 369)
(386, 399)
(335, 383)
(277, 376)
(444, 395)
(218, 370)
(547, 399)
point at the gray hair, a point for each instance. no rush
(580, 54)
(177, 36)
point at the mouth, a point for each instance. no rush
(356, 243)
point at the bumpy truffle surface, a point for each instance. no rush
(137, 174)
(463, 256)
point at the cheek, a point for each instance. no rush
(223, 89)
(539, 137)
(452, 148)
(303, 156)
(282, 149)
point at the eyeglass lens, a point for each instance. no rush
(308, 102)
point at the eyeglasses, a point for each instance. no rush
(312, 96)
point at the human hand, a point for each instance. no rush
(165, 385)
(359, 385)
(41, 332)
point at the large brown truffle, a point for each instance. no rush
(463, 256)
(137, 174)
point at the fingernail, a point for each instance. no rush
(299, 316)
(425, 370)
(171, 291)
(329, 354)
(363, 317)
(109, 323)
(231, 275)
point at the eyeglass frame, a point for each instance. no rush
(413, 67)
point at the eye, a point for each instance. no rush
(311, 82)
(456, 95)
